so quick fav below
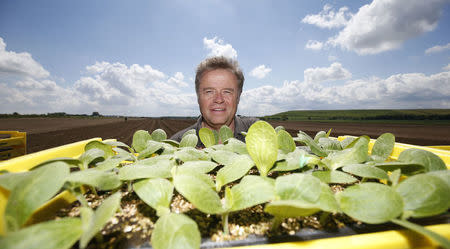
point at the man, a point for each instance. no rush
(218, 84)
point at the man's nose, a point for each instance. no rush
(218, 97)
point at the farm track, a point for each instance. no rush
(52, 132)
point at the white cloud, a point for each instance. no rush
(437, 49)
(110, 88)
(328, 18)
(411, 90)
(314, 45)
(260, 71)
(384, 25)
(446, 68)
(218, 48)
(321, 74)
(19, 64)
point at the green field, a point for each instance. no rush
(375, 115)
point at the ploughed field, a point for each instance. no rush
(45, 133)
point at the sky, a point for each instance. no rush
(138, 58)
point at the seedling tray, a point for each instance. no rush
(355, 236)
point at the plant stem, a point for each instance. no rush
(130, 187)
(441, 240)
(225, 223)
(276, 222)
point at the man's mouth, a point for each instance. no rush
(218, 109)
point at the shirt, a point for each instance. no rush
(240, 124)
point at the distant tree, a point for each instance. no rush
(16, 114)
(95, 114)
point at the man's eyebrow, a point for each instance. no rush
(209, 88)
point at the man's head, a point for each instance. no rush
(218, 83)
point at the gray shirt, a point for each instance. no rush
(240, 124)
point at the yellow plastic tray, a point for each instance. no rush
(392, 239)
(26, 162)
(442, 151)
(13, 146)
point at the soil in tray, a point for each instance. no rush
(132, 226)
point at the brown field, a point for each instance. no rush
(44, 133)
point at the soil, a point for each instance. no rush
(45, 133)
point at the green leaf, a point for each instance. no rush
(405, 167)
(371, 203)
(151, 148)
(225, 133)
(175, 231)
(190, 140)
(443, 174)
(140, 139)
(116, 144)
(223, 157)
(102, 146)
(191, 154)
(198, 166)
(334, 176)
(172, 142)
(327, 202)
(285, 141)
(168, 149)
(291, 208)
(262, 145)
(278, 128)
(198, 189)
(157, 193)
(441, 240)
(298, 187)
(90, 156)
(304, 138)
(191, 131)
(54, 234)
(235, 145)
(99, 179)
(329, 144)
(383, 147)
(97, 220)
(154, 160)
(10, 180)
(347, 141)
(138, 171)
(295, 160)
(207, 137)
(424, 195)
(159, 135)
(394, 177)
(357, 152)
(32, 191)
(366, 171)
(428, 159)
(110, 163)
(251, 191)
(233, 171)
(320, 134)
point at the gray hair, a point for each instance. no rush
(219, 62)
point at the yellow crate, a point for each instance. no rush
(26, 162)
(441, 151)
(13, 145)
(391, 239)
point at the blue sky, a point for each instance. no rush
(139, 57)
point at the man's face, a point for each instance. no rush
(218, 98)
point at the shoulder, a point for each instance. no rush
(246, 121)
(177, 136)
